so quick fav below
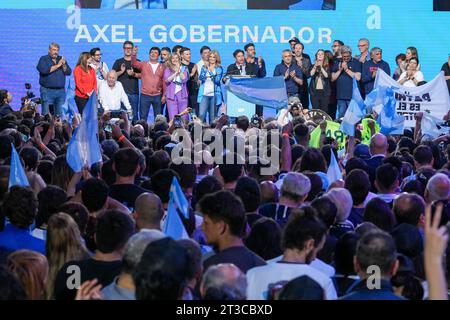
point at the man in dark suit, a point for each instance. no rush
(378, 148)
(240, 67)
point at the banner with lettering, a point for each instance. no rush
(432, 97)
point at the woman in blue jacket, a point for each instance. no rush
(210, 92)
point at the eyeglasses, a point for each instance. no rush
(362, 45)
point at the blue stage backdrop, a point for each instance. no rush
(28, 26)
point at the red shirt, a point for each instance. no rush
(152, 82)
(85, 82)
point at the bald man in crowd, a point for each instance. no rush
(438, 188)
(148, 212)
(409, 208)
(224, 281)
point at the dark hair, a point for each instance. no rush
(166, 49)
(406, 142)
(316, 185)
(400, 56)
(248, 45)
(356, 163)
(408, 208)
(207, 185)
(93, 51)
(423, 154)
(237, 51)
(408, 240)
(161, 182)
(20, 206)
(155, 48)
(126, 162)
(3, 96)
(158, 160)
(78, 212)
(10, 286)
(379, 213)
(414, 186)
(264, 238)
(248, 190)
(230, 171)
(108, 175)
(44, 169)
(187, 173)
(162, 272)
(227, 207)
(127, 42)
(184, 49)
(242, 122)
(297, 152)
(376, 248)
(302, 227)
(94, 194)
(339, 41)
(50, 198)
(30, 156)
(313, 160)
(113, 230)
(194, 252)
(302, 288)
(386, 175)
(358, 183)
(301, 130)
(204, 48)
(326, 210)
(176, 47)
(5, 146)
(343, 254)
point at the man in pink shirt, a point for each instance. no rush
(152, 87)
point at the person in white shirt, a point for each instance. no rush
(204, 52)
(112, 95)
(412, 77)
(303, 237)
(100, 67)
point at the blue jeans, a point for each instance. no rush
(207, 105)
(56, 97)
(342, 106)
(134, 102)
(146, 102)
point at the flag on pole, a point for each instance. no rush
(84, 148)
(17, 175)
(178, 205)
(69, 108)
(355, 111)
(334, 172)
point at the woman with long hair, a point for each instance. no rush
(319, 87)
(210, 92)
(64, 244)
(176, 77)
(61, 173)
(31, 268)
(85, 80)
(411, 52)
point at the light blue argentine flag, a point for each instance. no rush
(173, 225)
(432, 126)
(388, 119)
(69, 108)
(268, 92)
(355, 111)
(334, 172)
(17, 175)
(84, 148)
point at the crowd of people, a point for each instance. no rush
(380, 232)
(170, 82)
